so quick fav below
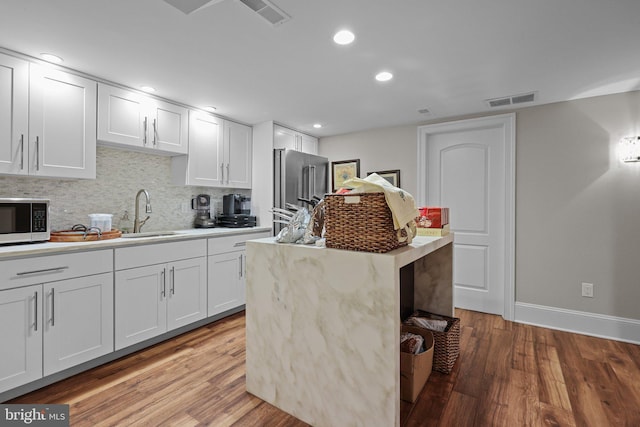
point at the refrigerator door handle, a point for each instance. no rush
(311, 194)
(309, 189)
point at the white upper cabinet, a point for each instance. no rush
(14, 115)
(47, 127)
(62, 123)
(294, 140)
(219, 153)
(135, 121)
(237, 150)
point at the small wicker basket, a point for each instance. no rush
(360, 222)
(447, 344)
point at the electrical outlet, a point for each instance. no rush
(587, 290)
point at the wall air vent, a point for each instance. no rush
(268, 11)
(511, 100)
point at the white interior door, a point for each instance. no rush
(467, 166)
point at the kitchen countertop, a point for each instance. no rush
(51, 248)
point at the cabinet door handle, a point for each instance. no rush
(173, 280)
(155, 132)
(53, 307)
(46, 270)
(21, 151)
(35, 312)
(240, 270)
(222, 173)
(37, 153)
(144, 133)
(227, 173)
(163, 292)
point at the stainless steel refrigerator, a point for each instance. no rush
(298, 179)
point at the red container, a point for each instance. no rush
(433, 217)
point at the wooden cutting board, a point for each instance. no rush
(78, 236)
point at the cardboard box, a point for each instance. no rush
(432, 217)
(433, 232)
(415, 368)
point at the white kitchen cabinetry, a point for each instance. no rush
(227, 266)
(135, 121)
(60, 309)
(14, 115)
(294, 140)
(219, 153)
(21, 336)
(47, 127)
(159, 288)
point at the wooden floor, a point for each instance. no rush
(508, 374)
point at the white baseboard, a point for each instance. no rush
(597, 325)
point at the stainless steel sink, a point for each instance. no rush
(149, 234)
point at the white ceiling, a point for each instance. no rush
(447, 56)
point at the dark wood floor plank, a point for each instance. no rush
(508, 374)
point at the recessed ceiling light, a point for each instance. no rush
(317, 125)
(384, 76)
(51, 58)
(344, 37)
(148, 89)
(210, 108)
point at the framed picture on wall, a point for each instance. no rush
(393, 176)
(342, 171)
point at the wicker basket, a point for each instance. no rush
(360, 222)
(447, 343)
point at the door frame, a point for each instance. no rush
(508, 124)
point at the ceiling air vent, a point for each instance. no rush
(268, 11)
(511, 100)
(189, 6)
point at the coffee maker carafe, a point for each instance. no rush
(202, 204)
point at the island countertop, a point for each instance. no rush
(323, 326)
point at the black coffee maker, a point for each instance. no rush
(236, 204)
(235, 212)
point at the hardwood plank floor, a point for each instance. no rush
(508, 374)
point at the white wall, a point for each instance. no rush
(577, 206)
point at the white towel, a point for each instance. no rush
(402, 205)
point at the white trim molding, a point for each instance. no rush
(580, 322)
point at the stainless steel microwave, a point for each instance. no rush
(24, 220)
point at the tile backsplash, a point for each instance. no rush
(119, 176)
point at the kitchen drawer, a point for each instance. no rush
(159, 253)
(29, 271)
(219, 245)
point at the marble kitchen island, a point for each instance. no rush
(323, 325)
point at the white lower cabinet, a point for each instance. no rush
(78, 321)
(53, 320)
(226, 290)
(21, 336)
(153, 299)
(227, 267)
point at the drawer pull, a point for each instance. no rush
(240, 244)
(46, 270)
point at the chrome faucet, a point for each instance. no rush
(137, 224)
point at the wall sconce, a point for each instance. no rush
(630, 149)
